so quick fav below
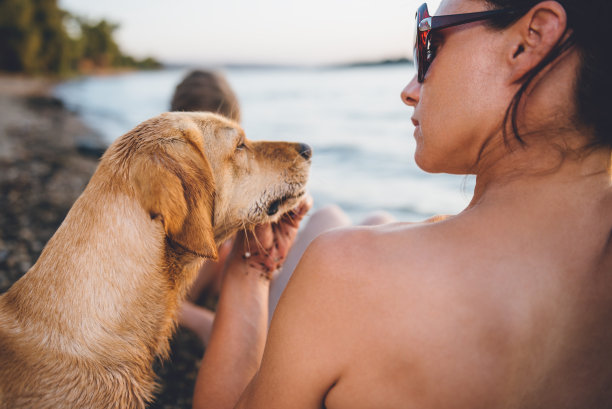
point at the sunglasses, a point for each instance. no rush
(424, 53)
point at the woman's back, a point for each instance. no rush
(505, 305)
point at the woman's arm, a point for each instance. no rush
(311, 339)
(308, 343)
(238, 338)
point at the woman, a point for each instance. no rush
(506, 305)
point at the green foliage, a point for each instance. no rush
(98, 43)
(37, 37)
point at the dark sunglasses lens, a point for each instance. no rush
(420, 57)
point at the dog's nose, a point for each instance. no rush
(305, 151)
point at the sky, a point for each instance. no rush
(309, 32)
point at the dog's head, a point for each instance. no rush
(197, 175)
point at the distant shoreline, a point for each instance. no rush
(265, 66)
(395, 61)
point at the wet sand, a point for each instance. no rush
(47, 156)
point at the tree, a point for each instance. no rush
(99, 45)
(34, 39)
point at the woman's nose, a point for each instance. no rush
(411, 93)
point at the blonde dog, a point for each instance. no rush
(83, 326)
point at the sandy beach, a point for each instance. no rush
(47, 156)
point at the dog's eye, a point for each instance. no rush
(241, 146)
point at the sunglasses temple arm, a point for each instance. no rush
(439, 22)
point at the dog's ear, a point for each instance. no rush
(175, 184)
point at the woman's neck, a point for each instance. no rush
(544, 167)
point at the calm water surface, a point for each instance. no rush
(353, 118)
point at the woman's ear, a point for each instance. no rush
(534, 35)
(180, 192)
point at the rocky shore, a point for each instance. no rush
(47, 156)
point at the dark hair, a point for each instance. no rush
(589, 30)
(206, 91)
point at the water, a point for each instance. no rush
(353, 118)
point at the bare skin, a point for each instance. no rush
(505, 305)
(475, 311)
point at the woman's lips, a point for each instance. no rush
(417, 128)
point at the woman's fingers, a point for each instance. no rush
(267, 246)
(285, 230)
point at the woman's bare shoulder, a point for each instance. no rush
(402, 261)
(368, 246)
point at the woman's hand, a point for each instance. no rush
(265, 248)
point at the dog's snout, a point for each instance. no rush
(304, 150)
